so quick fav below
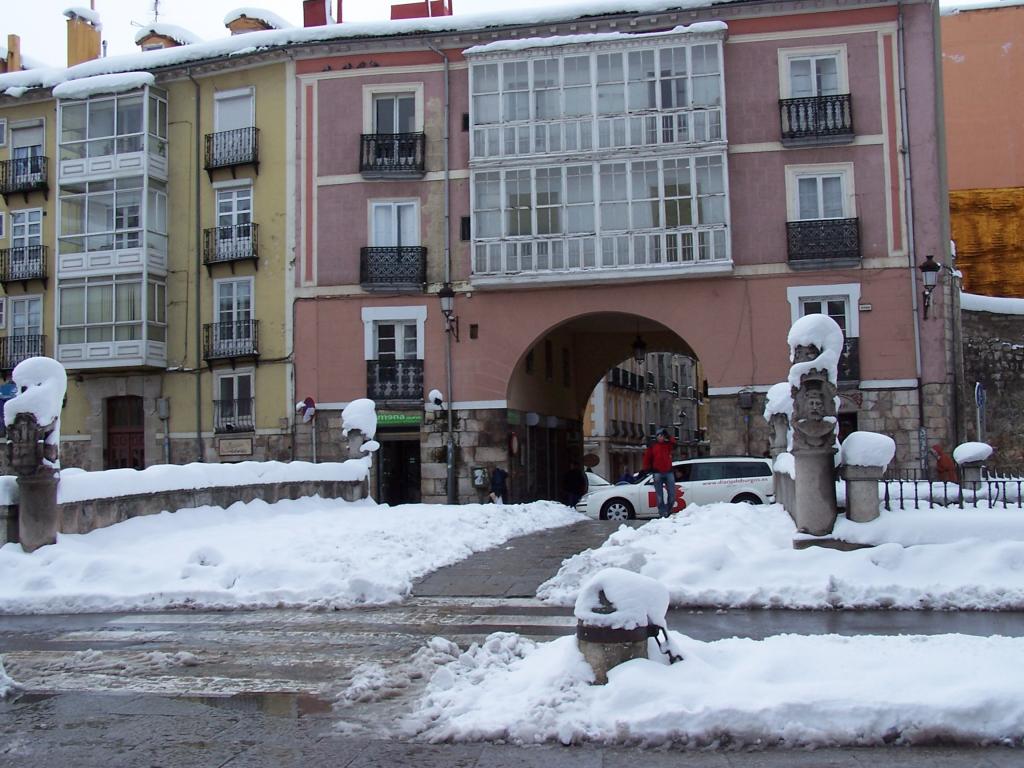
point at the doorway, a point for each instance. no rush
(126, 435)
(398, 476)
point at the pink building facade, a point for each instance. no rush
(693, 181)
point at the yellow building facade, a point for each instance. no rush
(146, 245)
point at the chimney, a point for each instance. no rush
(316, 13)
(13, 62)
(83, 35)
(422, 9)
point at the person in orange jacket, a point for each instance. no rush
(658, 460)
(944, 465)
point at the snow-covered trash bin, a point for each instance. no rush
(971, 458)
(617, 612)
(865, 457)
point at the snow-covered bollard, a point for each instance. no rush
(865, 457)
(784, 481)
(617, 611)
(32, 418)
(971, 458)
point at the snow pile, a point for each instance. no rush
(784, 691)
(76, 485)
(742, 556)
(360, 414)
(785, 464)
(269, 18)
(867, 449)
(966, 452)
(180, 35)
(779, 399)
(999, 305)
(7, 686)
(700, 27)
(825, 334)
(42, 383)
(89, 86)
(86, 14)
(306, 553)
(637, 601)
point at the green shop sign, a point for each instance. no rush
(399, 418)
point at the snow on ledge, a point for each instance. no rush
(779, 400)
(267, 17)
(997, 304)
(699, 27)
(87, 14)
(89, 86)
(951, 9)
(966, 452)
(178, 34)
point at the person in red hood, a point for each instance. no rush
(658, 460)
(944, 465)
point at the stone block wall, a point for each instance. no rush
(738, 431)
(481, 440)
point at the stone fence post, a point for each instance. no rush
(862, 498)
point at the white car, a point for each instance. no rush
(698, 481)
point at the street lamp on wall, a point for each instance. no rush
(639, 349)
(451, 320)
(930, 278)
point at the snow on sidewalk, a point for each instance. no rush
(308, 552)
(786, 690)
(738, 555)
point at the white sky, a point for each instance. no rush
(41, 23)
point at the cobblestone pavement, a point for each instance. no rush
(266, 688)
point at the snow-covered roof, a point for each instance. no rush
(596, 37)
(253, 42)
(953, 8)
(178, 34)
(998, 304)
(89, 86)
(27, 62)
(269, 18)
(84, 13)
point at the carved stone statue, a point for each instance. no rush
(814, 424)
(27, 447)
(814, 437)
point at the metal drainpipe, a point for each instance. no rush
(198, 275)
(450, 447)
(908, 195)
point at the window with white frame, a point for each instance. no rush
(3, 133)
(233, 329)
(25, 256)
(836, 307)
(107, 215)
(25, 335)
(3, 312)
(394, 112)
(656, 94)
(234, 110)
(818, 192)
(112, 125)
(396, 340)
(235, 403)
(838, 301)
(156, 310)
(394, 223)
(99, 309)
(3, 225)
(234, 222)
(27, 151)
(813, 72)
(610, 214)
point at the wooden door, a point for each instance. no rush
(126, 435)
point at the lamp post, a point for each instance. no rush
(930, 277)
(451, 330)
(639, 349)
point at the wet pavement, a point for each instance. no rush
(275, 687)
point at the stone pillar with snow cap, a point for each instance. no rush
(815, 344)
(359, 427)
(971, 458)
(778, 410)
(617, 611)
(865, 457)
(32, 418)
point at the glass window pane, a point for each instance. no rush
(807, 192)
(832, 197)
(101, 118)
(827, 76)
(801, 84)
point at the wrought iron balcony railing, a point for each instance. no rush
(236, 242)
(393, 268)
(14, 349)
(24, 174)
(229, 149)
(230, 340)
(823, 243)
(816, 119)
(392, 154)
(849, 362)
(234, 415)
(394, 379)
(23, 263)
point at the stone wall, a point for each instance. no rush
(90, 514)
(481, 440)
(994, 355)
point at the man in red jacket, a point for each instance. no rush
(658, 459)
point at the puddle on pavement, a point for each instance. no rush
(277, 704)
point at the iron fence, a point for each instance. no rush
(392, 154)
(914, 489)
(236, 147)
(23, 174)
(23, 263)
(816, 117)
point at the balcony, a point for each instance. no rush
(392, 155)
(23, 264)
(816, 120)
(231, 244)
(14, 349)
(394, 380)
(393, 268)
(231, 340)
(231, 149)
(230, 416)
(24, 175)
(823, 243)
(849, 363)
